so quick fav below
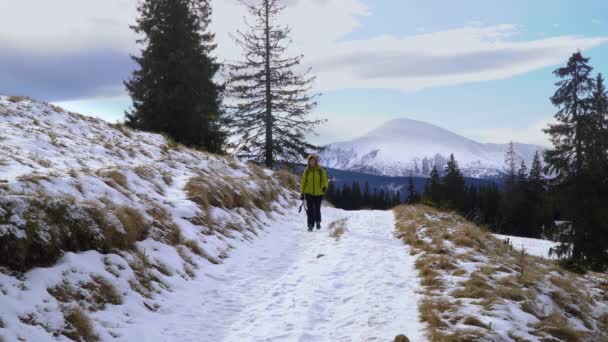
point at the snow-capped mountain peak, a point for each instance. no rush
(403, 146)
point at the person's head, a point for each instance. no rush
(313, 161)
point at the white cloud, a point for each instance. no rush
(457, 56)
(341, 127)
(473, 53)
(531, 134)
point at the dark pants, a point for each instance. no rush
(313, 203)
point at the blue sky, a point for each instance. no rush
(479, 68)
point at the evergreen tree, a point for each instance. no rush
(413, 196)
(571, 137)
(173, 91)
(357, 197)
(454, 185)
(271, 101)
(537, 182)
(537, 200)
(432, 188)
(331, 192)
(346, 196)
(367, 199)
(381, 202)
(396, 199)
(566, 157)
(522, 174)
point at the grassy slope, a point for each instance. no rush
(97, 217)
(478, 288)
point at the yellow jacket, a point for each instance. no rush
(314, 181)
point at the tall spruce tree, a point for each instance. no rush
(432, 189)
(412, 195)
(594, 178)
(454, 185)
(541, 220)
(271, 100)
(571, 138)
(367, 199)
(173, 90)
(574, 86)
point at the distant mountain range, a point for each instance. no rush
(402, 147)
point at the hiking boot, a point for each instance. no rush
(310, 228)
(319, 225)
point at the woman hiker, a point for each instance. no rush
(313, 187)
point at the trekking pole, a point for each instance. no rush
(303, 205)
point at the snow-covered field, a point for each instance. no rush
(530, 246)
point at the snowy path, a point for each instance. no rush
(280, 288)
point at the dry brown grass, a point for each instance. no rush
(474, 321)
(500, 275)
(73, 226)
(94, 294)
(476, 287)
(430, 311)
(231, 193)
(556, 326)
(18, 98)
(167, 177)
(143, 283)
(134, 224)
(145, 172)
(34, 178)
(78, 326)
(287, 179)
(195, 248)
(115, 179)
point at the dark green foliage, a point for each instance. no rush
(351, 198)
(413, 197)
(173, 91)
(433, 191)
(454, 189)
(521, 209)
(579, 161)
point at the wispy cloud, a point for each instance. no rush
(462, 55)
(73, 49)
(532, 134)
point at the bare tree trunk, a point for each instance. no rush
(272, 100)
(269, 123)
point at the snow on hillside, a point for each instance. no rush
(477, 287)
(115, 235)
(537, 247)
(99, 223)
(403, 146)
